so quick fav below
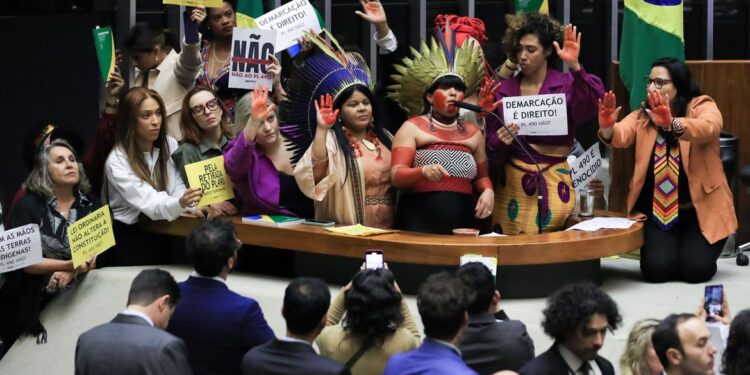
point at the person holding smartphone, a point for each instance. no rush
(377, 323)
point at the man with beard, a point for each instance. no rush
(578, 318)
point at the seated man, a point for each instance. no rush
(134, 341)
(490, 345)
(683, 344)
(442, 301)
(218, 325)
(577, 317)
(305, 310)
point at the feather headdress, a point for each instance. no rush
(441, 58)
(328, 70)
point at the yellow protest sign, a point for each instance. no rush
(91, 235)
(209, 175)
(195, 3)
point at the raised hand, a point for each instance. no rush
(115, 83)
(660, 113)
(607, 111)
(326, 114)
(373, 12)
(571, 47)
(198, 14)
(260, 108)
(487, 96)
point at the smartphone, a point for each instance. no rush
(714, 300)
(320, 223)
(374, 259)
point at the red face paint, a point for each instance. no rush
(443, 104)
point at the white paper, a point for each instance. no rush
(489, 262)
(603, 223)
(493, 234)
(291, 20)
(586, 167)
(537, 114)
(251, 54)
(20, 247)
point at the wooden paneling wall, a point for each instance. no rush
(728, 83)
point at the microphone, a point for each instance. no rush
(470, 107)
(476, 108)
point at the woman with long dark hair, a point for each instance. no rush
(678, 183)
(369, 316)
(736, 358)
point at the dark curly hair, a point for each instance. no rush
(373, 306)
(736, 358)
(572, 306)
(546, 28)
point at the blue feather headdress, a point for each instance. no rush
(328, 70)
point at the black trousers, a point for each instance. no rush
(678, 254)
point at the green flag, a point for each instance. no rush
(541, 6)
(650, 29)
(248, 11)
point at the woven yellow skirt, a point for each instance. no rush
(516, 211)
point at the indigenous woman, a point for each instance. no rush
(206, 130)
(56, 197)
(436, 155)
(678, 183)
(346, 169)
(160, 68)
(534, 39)
(259, 161)
(141, 178)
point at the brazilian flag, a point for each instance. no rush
(541, 6)
(248, 11)
(650, 29)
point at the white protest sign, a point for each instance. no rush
(586, 167)
(537, 114)
(291, 20)
(20, 247)
(251, 54)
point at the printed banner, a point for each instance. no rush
(20, 247)
(586, 167)
(251, 54)
(291, 21)
(209, 175)
(91, 235)
(194, 3)
(105, 50)
(537, 114)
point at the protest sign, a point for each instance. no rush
(105, 50)
(537, 114)
(586, 167)
(20, 247)
(291, 21)
(194, 3)
(251, 54)
(90, 235)
(209, 175)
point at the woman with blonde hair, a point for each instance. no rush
(639, 357)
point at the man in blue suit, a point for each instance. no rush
(305, 310)
(218, 325)
(442, 301)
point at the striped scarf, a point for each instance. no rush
(666, 176)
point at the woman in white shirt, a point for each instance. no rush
(141, 178)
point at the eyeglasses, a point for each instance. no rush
(658, 82)
(202, 109)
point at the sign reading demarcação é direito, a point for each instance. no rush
(20, 247)
(291, 21)
(537, 114)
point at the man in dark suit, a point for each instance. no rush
(489, 344)
(218, 325)
(578, 318)
(442, 301)
(683, 344)
(134, 341)
(305, 310)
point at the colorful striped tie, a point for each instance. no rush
(666, 176)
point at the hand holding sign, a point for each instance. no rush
(190, 197)
(487, 96)
(660, 114)
(326, 114)
(197, 14)
(506, 133)
(607, 111)
(571, 47)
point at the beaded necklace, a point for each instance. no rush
(371, 138)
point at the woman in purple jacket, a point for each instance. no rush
(534, 39)
(258, 161)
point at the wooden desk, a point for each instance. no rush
(431, 249)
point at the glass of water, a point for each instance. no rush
(586, 199)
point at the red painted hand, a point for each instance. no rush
(260, 108)
(660, 113)
(326, 114)
(607, 111)
(487, 96)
